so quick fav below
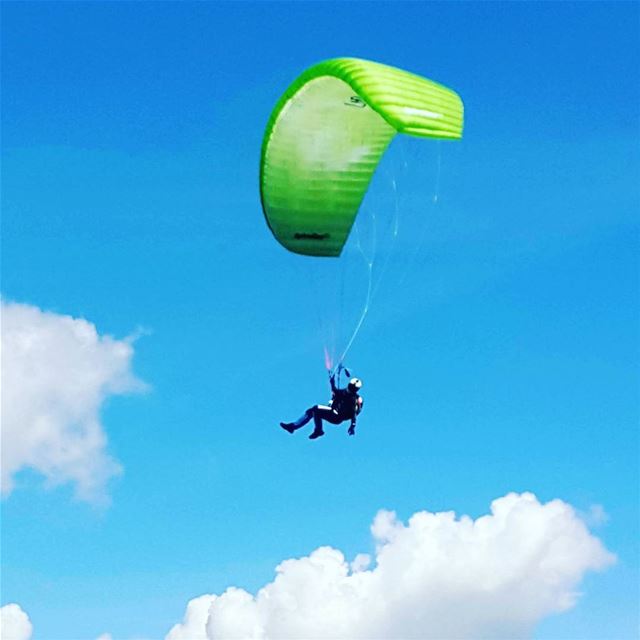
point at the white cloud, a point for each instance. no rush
(437, 576)
(14, 623)
(57, 372)
(596, 516)
(193, 627)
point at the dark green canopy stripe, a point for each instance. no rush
(325, 138)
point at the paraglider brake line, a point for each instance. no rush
(360, 321)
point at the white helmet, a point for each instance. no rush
(354, 385)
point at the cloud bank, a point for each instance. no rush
(437, 577)
(57, 371)
(14, 623)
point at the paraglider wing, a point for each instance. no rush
(325, 138)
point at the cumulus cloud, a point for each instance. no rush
(14, 623)
(57, 371)
(438, 576)
(194, 624)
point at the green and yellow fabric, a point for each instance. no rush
(325, 138)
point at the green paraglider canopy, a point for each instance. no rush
(325, 138)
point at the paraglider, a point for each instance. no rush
(324, 140)
(322, 145)
(345, 405)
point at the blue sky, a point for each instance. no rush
(131, 136)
